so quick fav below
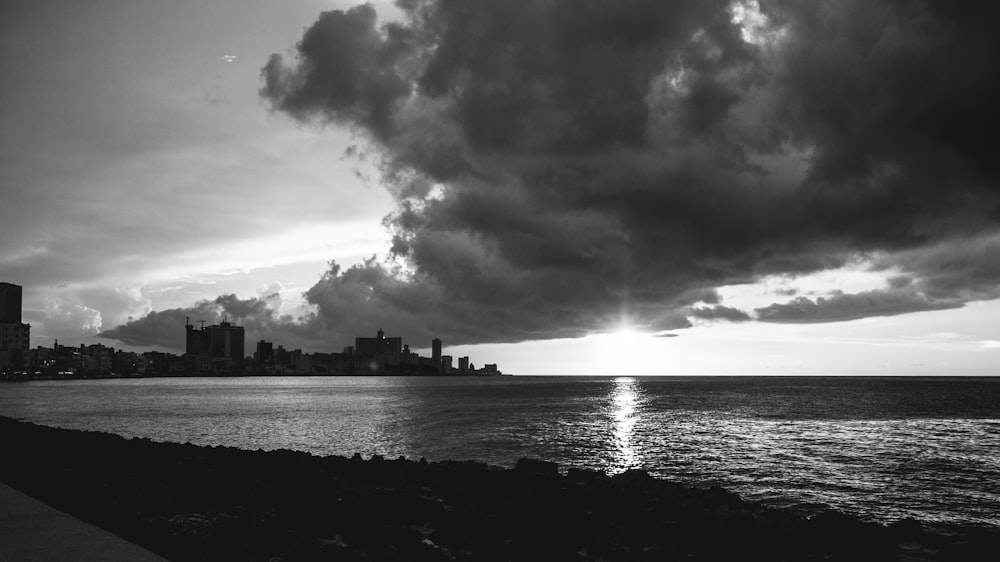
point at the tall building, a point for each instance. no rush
(370, 347)
(222, 344)
(10, 303)
(15, 336)
(436, 353)
(193, 339)
(226, 341)
(265, 352)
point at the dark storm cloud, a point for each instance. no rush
(840, 306)
(350, 71)
(965, 269)
(258, 316)
(938, 277)
(718, 313)
(561, 165)
(373, 295)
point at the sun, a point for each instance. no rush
(624, 350)
(626, 334)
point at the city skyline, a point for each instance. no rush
(639, 189)
(216, 350)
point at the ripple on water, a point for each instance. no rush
(885, 449)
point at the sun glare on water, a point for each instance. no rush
(625, 411)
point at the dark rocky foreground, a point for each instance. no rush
(201, 503)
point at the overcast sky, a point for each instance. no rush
(634, 186)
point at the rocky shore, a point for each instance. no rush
(187, 502)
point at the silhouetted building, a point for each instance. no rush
(222, 344)
(10, 303)
(194, 341)
(265, 352)
(371, 347)
(463, 365)
(436, 353)
(15, 336)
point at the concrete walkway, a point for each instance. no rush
(31, 530)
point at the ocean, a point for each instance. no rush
(884, 448)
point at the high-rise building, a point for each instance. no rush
(265, 352)
(226, 341)
(222, 344)
(15, 336)
(436, 353)
(370, 347)
(193, 340)
(10, 303)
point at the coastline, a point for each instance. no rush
(187, 502)
(4, 379)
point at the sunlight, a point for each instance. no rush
(625, 401)
(301, 243)
(626, 335)
(622, 351)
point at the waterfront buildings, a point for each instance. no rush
(215, 350)
(379, 355)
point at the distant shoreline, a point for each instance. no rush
(189, 502)
(255, 375)
(925, 377)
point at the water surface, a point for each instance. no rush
(884, 448)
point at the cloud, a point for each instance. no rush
(964, 269)
(841, 307)
(350, 71)
(558, 165)
(718, 312)
(258, 316)
(66, 321)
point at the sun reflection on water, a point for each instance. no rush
(625, 411)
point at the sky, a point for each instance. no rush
(560, 187)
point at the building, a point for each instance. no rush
(10, 303)
(436, 353)
(264, 353)
(372, 347)
(221, 344)
(15, 336)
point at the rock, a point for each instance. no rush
(585, 475)
(907, 529)
(535, 466)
